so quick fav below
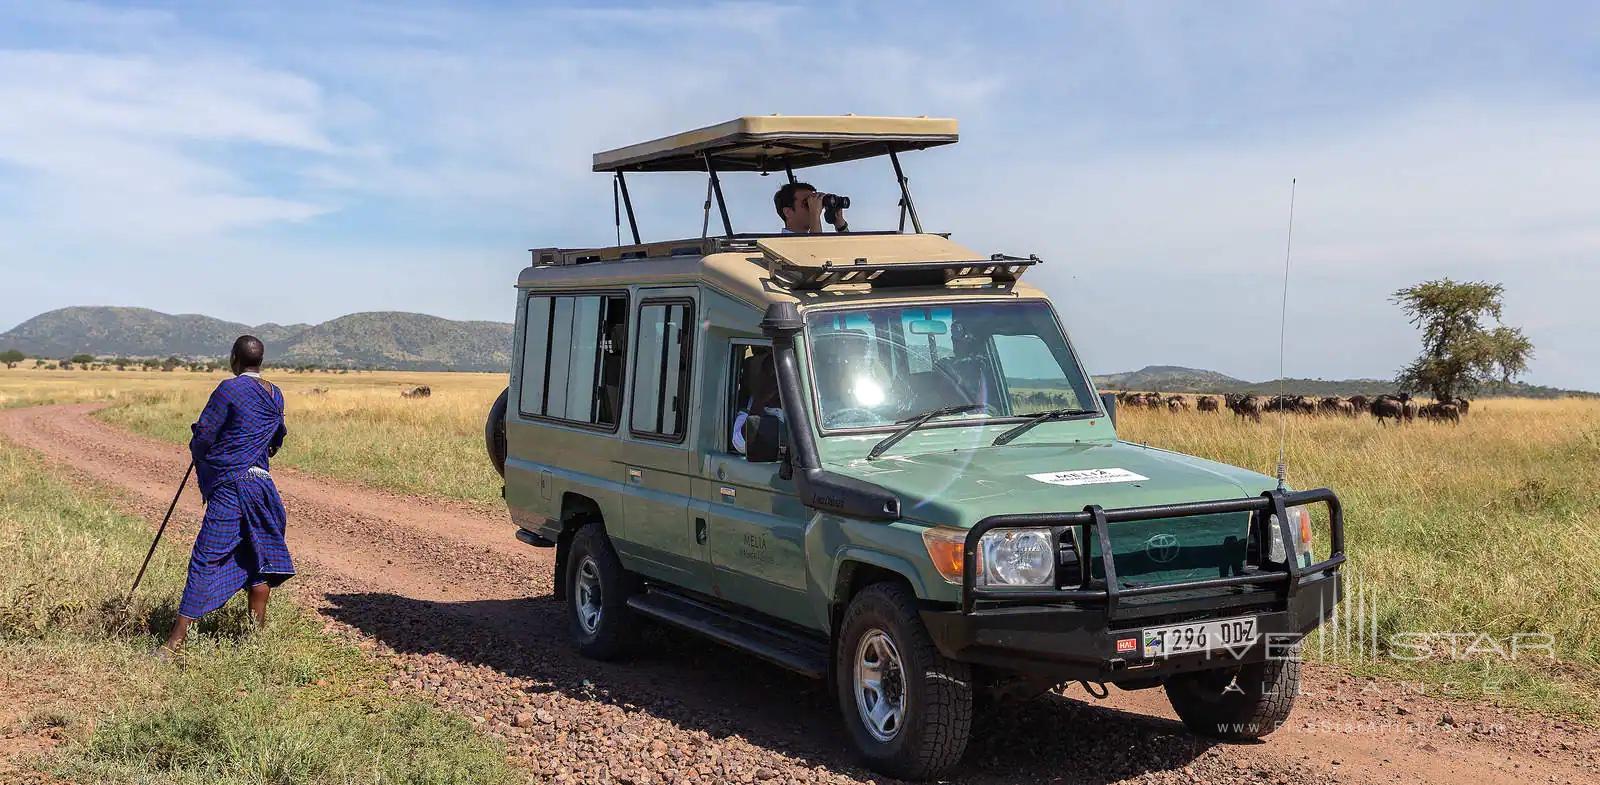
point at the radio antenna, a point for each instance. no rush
(1283, 329)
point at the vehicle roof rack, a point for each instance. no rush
(775, 143)
(806, 263)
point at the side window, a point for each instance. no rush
(661, 370)
(748, 363)
(1032, 375)
(535, 349)
(572, 358)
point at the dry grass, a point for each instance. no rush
(1491, 526)
(358, 429)
(1487, 527)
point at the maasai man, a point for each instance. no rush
(240, 545)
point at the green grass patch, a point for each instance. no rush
(286, 705)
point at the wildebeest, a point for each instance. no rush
(1461, 406)
(1149, 400)
(1243, 405)
(1390, 407)
(417, 392)
(319, 391)
(1333, 404)
(1359, 402)
(1177, 403)
(1290, 403)
(1410, 407)
(1206, 403)
(1441, 410)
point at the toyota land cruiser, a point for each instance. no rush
(925, 502)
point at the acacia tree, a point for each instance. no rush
(11, 357)
(1464, 343)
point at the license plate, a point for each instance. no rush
(1200, 636)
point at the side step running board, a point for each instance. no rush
(805, 656)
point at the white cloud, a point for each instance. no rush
(1187, 244)
(137, 148)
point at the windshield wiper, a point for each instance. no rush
(912, 423)
(1041, 417)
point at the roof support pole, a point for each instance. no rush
(789, 170)
(906, 205)
(633, 225)
(716, 188)
(705, 212)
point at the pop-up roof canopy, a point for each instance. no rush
(773, 143)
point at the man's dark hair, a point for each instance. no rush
(249, 351)
(785, 195)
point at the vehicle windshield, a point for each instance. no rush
(877, 366)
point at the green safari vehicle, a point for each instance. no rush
(874, 458)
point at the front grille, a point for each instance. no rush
(1164, 551)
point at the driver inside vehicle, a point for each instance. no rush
(761, 375)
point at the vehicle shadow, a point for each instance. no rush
(700, 685)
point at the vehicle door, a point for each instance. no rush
(756, 524)
(656, 465)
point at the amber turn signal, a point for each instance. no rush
(946, 547)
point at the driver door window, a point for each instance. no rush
(751, 376)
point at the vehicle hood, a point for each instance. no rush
(962, 486)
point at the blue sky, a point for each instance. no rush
(295, 162)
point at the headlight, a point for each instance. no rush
(1016, 557)
(1300, 533)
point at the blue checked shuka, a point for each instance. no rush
(241, 538)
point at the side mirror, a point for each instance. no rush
(763, 438)
(1108, 401)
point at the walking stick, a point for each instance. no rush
(157, 540)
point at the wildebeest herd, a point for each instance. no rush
(1400, 408)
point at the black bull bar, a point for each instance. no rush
(1097, 521)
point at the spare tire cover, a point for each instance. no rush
(494, 432)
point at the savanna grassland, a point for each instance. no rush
(350, 426)
(1480, 531)
(83, 699)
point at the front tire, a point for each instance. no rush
(598, 616)
(908, 708)
(1237, 704)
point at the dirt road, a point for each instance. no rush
(463, 611)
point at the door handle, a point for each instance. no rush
(700, 531)
(635, 475)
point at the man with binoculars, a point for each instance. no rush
(803, 209)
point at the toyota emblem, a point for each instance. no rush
(1162, 548)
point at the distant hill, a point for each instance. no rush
(378, 340)
(1161, 378)
(1173, 378)
(408, 341)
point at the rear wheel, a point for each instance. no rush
(908, 708)
(1240, 703)
(598, 616)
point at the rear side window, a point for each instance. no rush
(661, 370)
(572, 358)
